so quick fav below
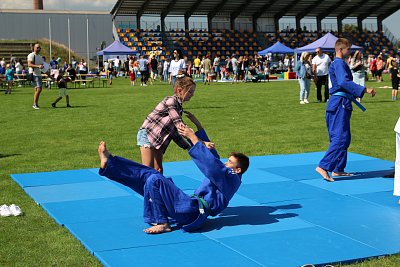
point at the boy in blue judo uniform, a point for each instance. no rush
(164, 200)
(338, 112)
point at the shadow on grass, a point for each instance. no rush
(65, 107)
(248, 215)
(365, 175)
(205, 107)
(379, 101)
(8, 155)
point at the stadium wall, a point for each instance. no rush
(34, 24)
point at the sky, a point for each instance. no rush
(106, 5)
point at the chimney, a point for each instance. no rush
(38, 4)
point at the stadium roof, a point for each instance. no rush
(256, 9)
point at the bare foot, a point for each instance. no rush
(324, 174)
(341, 174)
(104, 154)
(158, 229)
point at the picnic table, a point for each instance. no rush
(89, 79)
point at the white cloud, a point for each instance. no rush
(12, 4)
(100, 5)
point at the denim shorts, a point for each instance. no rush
(142, 139)
(37, 81)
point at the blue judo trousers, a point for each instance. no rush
(164, 200)
(338, 114)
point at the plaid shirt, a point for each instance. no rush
(161, 124)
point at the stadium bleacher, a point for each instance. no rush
(192, 43)
(227, 42)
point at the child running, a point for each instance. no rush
(343, 91)
(160, 126)
(62, 86)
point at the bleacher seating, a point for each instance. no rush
(227, 42)
(144, 41)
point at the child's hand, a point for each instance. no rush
(370, 91)
(209, 145)
(185, 131)
(188, 133)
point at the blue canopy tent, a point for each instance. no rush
(326, 43)
(117, 49)
(277, 48)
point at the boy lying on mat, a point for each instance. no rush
(164, 200)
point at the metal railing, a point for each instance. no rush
(390, 36)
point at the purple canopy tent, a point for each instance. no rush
(277, 48)
(326, 43)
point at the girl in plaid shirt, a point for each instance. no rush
(160, 126)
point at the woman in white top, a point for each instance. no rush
(176, 64)
(357, 68)
(18, 71)
(83, 70)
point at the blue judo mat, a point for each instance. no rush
(284, 214)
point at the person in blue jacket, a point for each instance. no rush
(164, 200)
(343, 92)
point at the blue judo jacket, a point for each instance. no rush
(342, 81)
(219, 185)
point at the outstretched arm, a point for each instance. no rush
(191, 135)
(188, 133)
(193, 119)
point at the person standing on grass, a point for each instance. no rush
(303, 72)
(196, 63)
(320, 65)
(394, 76)
(160, 126)
(176, 65)
(35, 64)
(9, 78)
(166, 70)
(18, 71)
(62, 86)
(83, 70)
(117, 66)
(144, 70)
(153, 66)
(380, 66)
(110, 72)
(132, 77)
(338, 112)
(207, 65)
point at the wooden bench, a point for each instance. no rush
(21, 82)
(3, 83)
(89, 82)
(102, 81)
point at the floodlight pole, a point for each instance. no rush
(69, 43)
(87, 43)
(50, 37)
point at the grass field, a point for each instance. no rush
(258, 119)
